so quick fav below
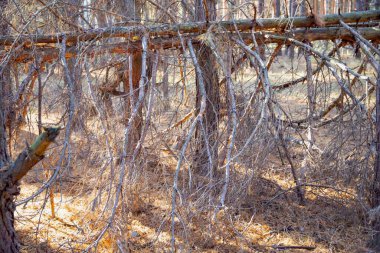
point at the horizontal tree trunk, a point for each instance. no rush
(134, 32)
(310, 34)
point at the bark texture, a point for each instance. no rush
(4, 93)
(206, 133)
(8, 237)
(136, 62)
(7, 233)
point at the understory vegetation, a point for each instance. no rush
(189, 126)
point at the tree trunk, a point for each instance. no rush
(165, 82)
(4, 105)
(136, 63)
(103, 21)
(323, 8)
(75, 68)
(101, 16)
(4, 94)
(304, 12)
(327, 6)
(4, 157)
(132, 11)
(316, 6)
(206, 134)
(278, 8)
(277, 14)
(165, 64)
(261, 8)
(261, 13)
(374, 242)
(292, 12)
(362, 5)
(8, 238)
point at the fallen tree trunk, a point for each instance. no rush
(133, 32)
(311, 34)
(9, 179)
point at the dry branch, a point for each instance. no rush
(302, 79)
(267, 90)
(181, 121)
(360, 38)
(331, 106)
(197, 119)
(30, 156)
(328, 61)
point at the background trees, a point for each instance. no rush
(184, 117)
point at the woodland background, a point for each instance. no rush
(192, 125)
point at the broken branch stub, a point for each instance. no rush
(31, 155)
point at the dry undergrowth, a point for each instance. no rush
(266, 214)
(331, 221)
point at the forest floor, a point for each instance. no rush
(268, 219)
(330, 221)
